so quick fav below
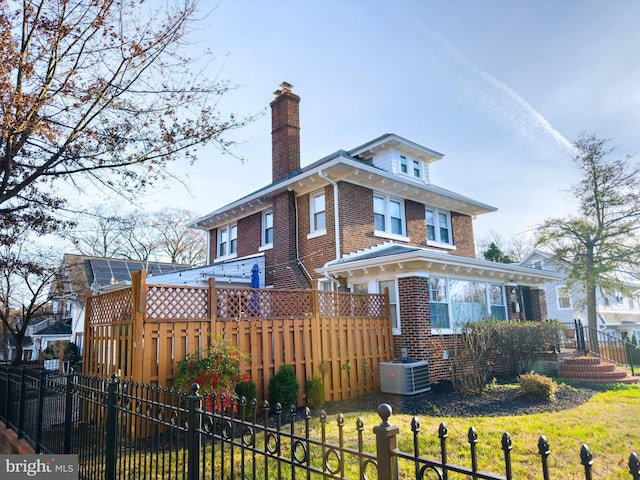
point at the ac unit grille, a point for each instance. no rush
(404, 378)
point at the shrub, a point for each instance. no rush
(247, 388)
(284, 387)
(538, 386)
(314, 388)
(217, 369)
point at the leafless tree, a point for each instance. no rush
(98, 94)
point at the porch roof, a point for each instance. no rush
(405, 260)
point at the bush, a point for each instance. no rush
(284, 387)
(248, 390)
(217, 369)
(314, 388)
(537, 386)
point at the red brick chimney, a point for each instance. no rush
(285, 132)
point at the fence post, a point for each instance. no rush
(634, 466)
(21, 403)
(42, 380)
(193, 434)
(112, 427)
(543, 450)
(5, 412)
(586, 459)
(68, 413)
(629, 353)
(386, 445)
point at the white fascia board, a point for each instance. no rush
(256, 202)
(455, 265)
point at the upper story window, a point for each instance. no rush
(388, 215)
(228, 241)
(438, 226)
(317, 209)
(564, 297)
(538, 264)
(409, 166)
(267, 228)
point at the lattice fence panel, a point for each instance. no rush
(341, 304)
(235, 303)
(176, 303)
(111, 308)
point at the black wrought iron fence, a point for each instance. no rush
(124, 430)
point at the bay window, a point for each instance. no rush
(455, 301)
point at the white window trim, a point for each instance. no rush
(263, 244)
(436, 218)
(387, 219)
(570, 307)
(398, 329)
(322, 231)
(226, 227)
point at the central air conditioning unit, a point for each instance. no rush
(404, 377)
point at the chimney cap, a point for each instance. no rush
(284, 87)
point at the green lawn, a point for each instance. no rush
(609, 424)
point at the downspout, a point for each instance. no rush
(336, 211)
(298, 261)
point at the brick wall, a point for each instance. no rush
(213, 242)
(416, 222)
(463, 239)
(356, 218)
(315, 252)
(249, 234)
(413, 298)
(284, 271)
(539, 304)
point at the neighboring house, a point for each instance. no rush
(367, 219)
(81, 274)
(617, 314)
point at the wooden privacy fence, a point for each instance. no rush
(141, 332)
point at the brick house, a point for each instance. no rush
(367, 219)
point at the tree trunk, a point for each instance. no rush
(17, 356)
(592, 313)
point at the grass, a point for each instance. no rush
(607, 424)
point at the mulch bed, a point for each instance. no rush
(499, 400)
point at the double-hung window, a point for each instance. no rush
(439, 303)
(404, 165)
(393, 303)
(410, 167)
(318, 213)
(388, 215)
(228, 241)
(564, 297)
(267, 228)
(438, 226)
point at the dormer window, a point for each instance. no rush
(410, 167)
(417, 169)
(404, 165)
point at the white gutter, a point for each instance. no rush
(336, 211)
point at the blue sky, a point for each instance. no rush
(500, 87)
